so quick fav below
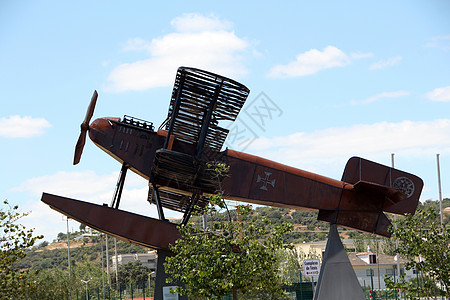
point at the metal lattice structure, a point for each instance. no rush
(200, 97)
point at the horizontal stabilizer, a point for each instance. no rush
(373, 222)
(392, 196)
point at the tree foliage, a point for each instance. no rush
(228, 256)
(56, 283)
(132, 272)
(15, 239)
(425, 245)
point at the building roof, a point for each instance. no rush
(382, 259)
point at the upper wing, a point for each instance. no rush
(201, 99)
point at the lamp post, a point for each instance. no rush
(87, 292)
(440, 191)
(68, 255)
(397, 256)
(103, 269)
(152, 274)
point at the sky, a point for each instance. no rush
(328, 79)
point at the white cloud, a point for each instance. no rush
(194, 22)
(86, 186)
(383, 64)
(137, 44)
(198, 41)
(321, 149)
(439, 94)
(311, 62)
(22, 127)
(359, 55)
(439, 41)
(381, 96)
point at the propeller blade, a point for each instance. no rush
(79, 147)
(84, 128)
(90, 110)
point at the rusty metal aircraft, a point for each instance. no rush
(174, 161)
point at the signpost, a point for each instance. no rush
(311, 267)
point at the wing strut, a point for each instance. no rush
(187, 214)
(119, 186)
(207, 121)
(157, 199)
(174, 114)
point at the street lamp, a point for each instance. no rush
(68, 255)
(87, 293)
(152, 274)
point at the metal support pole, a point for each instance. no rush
(107, 262)
(116, 260)
(68, 256)
(175, 110)
(371, 277)
(119, 186)
(396, 240)
(158, 203)
(301, 285)
(87, 291)
(103, 268)
(440, 191)
(378, 265)
(207, 120)
(187, 214)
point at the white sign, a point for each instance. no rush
(311, 267)
(167, 295)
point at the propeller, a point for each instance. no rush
(84, 128)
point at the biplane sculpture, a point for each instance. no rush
(174, 161)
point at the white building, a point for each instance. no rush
(367, 265)
(370, 268)
(148, 259)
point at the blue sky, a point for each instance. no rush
(343, 79)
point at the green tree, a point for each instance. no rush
(426, 246)
(229, 257)
(133, 272)
(55, 283)
(61, 236)
(43, 244)
(15, 239)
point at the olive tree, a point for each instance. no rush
(427, 247)
(15, 239)
(229, 257)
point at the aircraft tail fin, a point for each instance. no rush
(371, 177)
(376, 189)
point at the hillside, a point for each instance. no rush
(88, 247)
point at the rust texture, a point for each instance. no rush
(174, 160)
(130, 227)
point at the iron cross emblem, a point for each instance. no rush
(265, 181)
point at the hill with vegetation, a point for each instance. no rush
(88, 247)
(46, 264)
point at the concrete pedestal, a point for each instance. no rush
(337, 279)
